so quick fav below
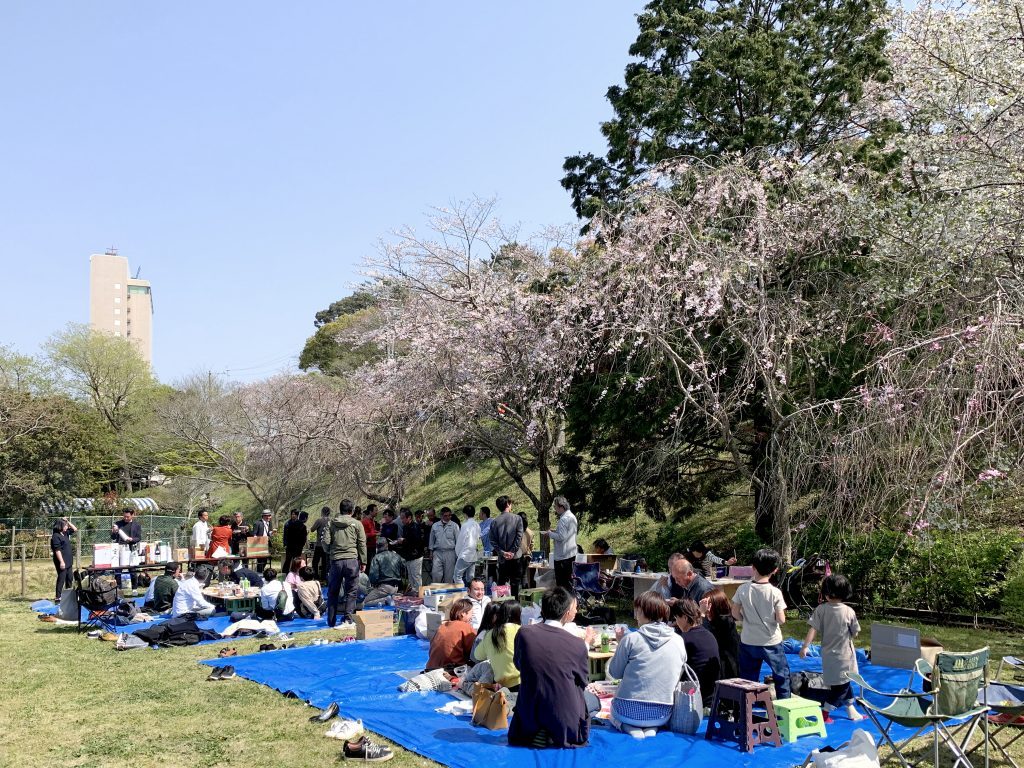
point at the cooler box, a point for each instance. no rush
(104, 555)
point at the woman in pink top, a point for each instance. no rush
(293, 578)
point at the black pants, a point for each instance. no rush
(344, 575)
(509, 573)
(320, 564)
(63, 577)
(563, 572)
(289, 555)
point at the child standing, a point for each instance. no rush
(762, 609)
(838, 625)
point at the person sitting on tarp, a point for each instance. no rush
(276, 599)
(553, 708)
(160, 596)
(237, 572)
(386, 573)
(453, 641)
(309, 595)
(189, 600)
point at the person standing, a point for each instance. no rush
(293, 538)
(322, 529)
(347, 552)
(239, 533)
(264, 528)
(525, 549)
(564, 537)
(201, 531)
(465, 547)
(507, 538)
(443, 535)
(128, 532)
(410, 547)
(370, 528)
(390, 529)
(760, 606)
(484, 518)
(63, 557)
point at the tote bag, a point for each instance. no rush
(687, 706)
(490, 708)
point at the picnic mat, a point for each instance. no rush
(363, 678)
(215, 623)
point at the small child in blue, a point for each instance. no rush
(762, 609)
(838, 625)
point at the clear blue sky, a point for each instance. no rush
(248, 155)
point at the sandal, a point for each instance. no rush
(225, 652)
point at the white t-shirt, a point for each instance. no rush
(465, 543)
(268, 596)
(760, 603)
(201, 534)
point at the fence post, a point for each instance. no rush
(23, 591)
(14, 537)
(78, 551)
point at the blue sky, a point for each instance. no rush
(247, 155)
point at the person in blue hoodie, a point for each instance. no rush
(649, 662)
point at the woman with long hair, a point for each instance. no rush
(63, 559)
(717, 609)
(498, 646)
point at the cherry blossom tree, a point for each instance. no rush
(482, 333)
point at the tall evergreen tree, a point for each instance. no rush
(722, 76)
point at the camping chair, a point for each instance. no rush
(949, 708)
(586, 582)
(98, 598)
(1007, 705)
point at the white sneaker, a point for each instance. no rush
(318, 641)
(346, 730)
(348, 626)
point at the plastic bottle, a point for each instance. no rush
(606, 642)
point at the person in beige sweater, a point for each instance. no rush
(309, 594)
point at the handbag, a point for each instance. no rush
(490, 707)
(687, 704)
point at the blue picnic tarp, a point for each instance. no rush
(361, 677)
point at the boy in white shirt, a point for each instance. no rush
(762, 609)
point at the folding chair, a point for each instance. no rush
(586, 582)
(950, 708)
(101, 604)
(1007, 705)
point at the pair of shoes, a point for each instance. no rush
(49, 618)
(110, 637)
(222, 673)
(318, 641)
(327, 714)
(346, 730)
(94, 634)
(268, 647)
(225, 652)
(364, 749)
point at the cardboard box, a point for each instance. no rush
(439, 589)
(181, 555)
(104, 555)
(198, 553)
(901, 647)
(373, 625)
(255, 546)
(445, 603)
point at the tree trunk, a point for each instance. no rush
(771, 502)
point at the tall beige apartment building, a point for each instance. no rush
(120, 304)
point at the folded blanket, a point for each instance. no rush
(434, 680)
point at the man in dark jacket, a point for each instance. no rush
(128, 532)
(553, 707)
(294, 538)
(410, 548)
(506, 539)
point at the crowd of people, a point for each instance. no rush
(683, 620)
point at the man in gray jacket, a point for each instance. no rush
(347, 553)
(506, 538)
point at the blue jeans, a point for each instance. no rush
(751, 658)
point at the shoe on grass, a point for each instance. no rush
(330, 711)
(366, 750)
(227, 673)
(346, 730)
(215, 674)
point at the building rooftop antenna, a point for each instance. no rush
(138, 272)
(111, 251)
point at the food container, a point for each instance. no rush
(627, 566)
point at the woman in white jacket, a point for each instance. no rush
(649, 662)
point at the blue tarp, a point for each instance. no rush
(215, 624)
(361, 677)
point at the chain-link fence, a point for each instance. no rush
(16, 532)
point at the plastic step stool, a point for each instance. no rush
(799, 717)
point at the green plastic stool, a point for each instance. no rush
(799, 717)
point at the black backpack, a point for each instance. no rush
(101, 592)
